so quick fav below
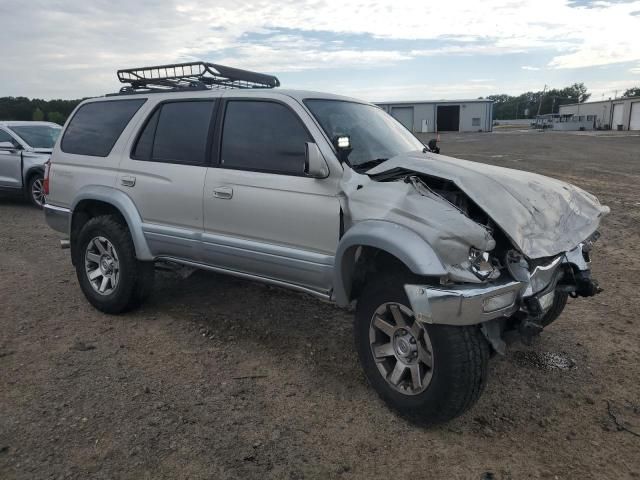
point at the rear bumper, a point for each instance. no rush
(57, 218)
(464, 304)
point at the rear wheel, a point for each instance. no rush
(35, 190)
(111, 277)
(430, 373)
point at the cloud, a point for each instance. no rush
(635, 70)
(529, 67)
(73, 47)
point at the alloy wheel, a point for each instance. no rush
(101, 265)
(401, 348)
(37, 192)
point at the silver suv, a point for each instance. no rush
(24, 149)
(443, 258)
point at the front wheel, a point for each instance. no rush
(559, 302)
(430, 373)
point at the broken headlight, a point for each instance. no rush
(481, 265)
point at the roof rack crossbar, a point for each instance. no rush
(192, 75)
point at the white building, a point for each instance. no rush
(427, 116)
(618, 114)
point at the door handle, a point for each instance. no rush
(128, 181)
(224, 193)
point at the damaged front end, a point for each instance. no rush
(518, 304)
(513, 244)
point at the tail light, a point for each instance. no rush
(45, 182)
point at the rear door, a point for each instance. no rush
(10, 165)
(263, 215)
(164, 174)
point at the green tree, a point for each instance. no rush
(22, 108)
(38, 115)
(526, 104)
(632, 92)
(56, 117)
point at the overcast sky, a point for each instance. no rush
(373, 49)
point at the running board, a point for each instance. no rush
(248, 276)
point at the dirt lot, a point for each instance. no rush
(222, 378)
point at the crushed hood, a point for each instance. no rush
(541, 215)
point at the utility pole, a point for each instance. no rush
(541, 97)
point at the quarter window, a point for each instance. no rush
(263, 136)
(5, 137)
(177, 132)
(96, 126)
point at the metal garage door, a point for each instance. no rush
(617, 116)
(634, 122)
(404, 115)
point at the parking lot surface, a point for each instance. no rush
(217, 377)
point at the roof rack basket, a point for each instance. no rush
(192, 76)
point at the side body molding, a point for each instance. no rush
(126, 207)
(399, 241)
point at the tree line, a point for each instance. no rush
(22, 108)
(525, 105)
(530, 104)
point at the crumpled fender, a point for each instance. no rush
(399, 241)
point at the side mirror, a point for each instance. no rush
(315, 165)
(7, 146)
(433, 145)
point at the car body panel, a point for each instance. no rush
(16, 166)
(541, 215)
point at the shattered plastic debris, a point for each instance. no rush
(544, 360)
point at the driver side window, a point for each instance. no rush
(263, 136)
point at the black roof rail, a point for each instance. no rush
(191, 76)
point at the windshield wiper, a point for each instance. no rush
(370, 164)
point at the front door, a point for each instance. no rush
(164, 176)
(10, 165)
(263, 216)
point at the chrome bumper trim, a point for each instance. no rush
(461, 304)
(58, 218)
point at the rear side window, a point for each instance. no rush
(96, 126)
(177, 132)
(263, 136)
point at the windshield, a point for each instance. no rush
(38, 136)
(375, 135)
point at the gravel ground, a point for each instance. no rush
(217, 377)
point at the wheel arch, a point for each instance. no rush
(96, 200)
(398, 244)
(31, 172)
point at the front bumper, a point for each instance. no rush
(464, 304)
(58, 218)
(471, 304)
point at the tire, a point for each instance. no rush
(105, 242)
(34, 190)
(459, 358)
(559, 302)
